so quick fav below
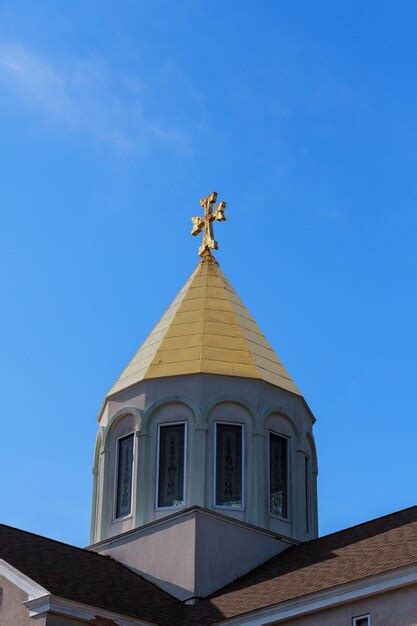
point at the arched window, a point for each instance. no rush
(228, 465)
(171, 465)
(278, 475)
(124, 476)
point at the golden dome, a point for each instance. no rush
(207, 329)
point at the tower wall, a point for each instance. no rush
(201, 400)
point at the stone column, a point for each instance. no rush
(256, 514)
(142, 478)
(198, 466)
(103, 494)
(298, 497)
(314, 512)
(94, 508)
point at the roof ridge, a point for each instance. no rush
(62, 543)
(92, 552)
(299, 546)
(241, 330)
(369, 521)
(184, 291)
(204, 321)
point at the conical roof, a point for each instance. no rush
(207, 329)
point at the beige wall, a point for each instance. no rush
(395, 608)
(226, 550)
(194, 553)
(164, 553)
(12, 610)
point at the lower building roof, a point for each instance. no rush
(87, 577)
(354, 554)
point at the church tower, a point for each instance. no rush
(205, 415)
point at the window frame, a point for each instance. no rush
(116, 477)
(355, 620)
(243, 502)
(289, 494)
(161, 425)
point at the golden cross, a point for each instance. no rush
(206, 223)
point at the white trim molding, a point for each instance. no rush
(40, 601)
(342, 594)
(24, 583)
(70, 608)
(356, 620)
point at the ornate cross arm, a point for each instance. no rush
(198, 224)
(205, 223)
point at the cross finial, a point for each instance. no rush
(205, 224)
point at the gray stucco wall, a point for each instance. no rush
(396, 608)
(226, 550)
(12, 610)
(201, 400)
(193, 553)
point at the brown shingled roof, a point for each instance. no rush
(383, 544)
(375, 547)
(87, 577)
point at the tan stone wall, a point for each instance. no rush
(396, 608)
(12, 610)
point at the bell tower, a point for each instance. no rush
(205, 415)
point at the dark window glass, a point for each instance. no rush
(171, 465)
(361, 621)
(229, 460)
(307, 491)
(124, 476)
(278, 475)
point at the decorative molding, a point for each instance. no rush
(177, 399)
(78, 610)
(123, 412)
(311, 442)
(322, 600)
(233, 398)
(167, 519)
(26, 584)
(279, 410)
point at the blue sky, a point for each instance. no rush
(115, 118)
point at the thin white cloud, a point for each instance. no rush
(85, 98)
